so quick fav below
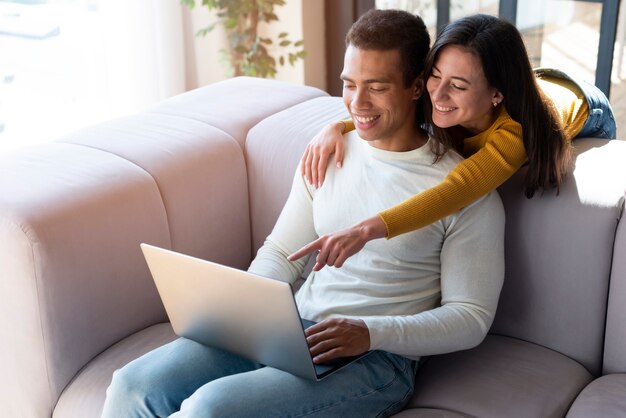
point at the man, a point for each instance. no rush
(427, 292)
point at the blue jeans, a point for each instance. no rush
(187, 379)
(601, 122)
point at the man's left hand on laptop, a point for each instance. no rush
(337, 337)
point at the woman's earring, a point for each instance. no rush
(495, 103)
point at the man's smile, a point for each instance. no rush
(366, 119)
(365, 122)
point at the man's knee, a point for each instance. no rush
(124, 386)
(213, 402)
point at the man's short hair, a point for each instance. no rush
(384, 30)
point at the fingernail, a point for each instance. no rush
(338, 164)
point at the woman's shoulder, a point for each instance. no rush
(504, 127)
(505, 121)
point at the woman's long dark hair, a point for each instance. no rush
(500, 48)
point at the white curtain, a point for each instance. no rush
(143, 48)
(65, 65)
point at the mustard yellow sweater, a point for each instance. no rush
(492, 157)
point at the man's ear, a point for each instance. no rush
(419, 88)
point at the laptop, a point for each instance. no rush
(233, 310)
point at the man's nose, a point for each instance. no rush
(361, 99)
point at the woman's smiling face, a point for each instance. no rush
(459, 91)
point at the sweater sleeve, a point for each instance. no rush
(348, 125)
(293, 229)
(501, 156)
(472, 273)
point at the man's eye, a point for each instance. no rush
(378, 89)
(348, 86)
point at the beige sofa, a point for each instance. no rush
(206, 173)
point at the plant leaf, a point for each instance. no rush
(230, 23)
(189, 3)
(269, 17)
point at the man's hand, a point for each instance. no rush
(315, 159)
(335, 249)
(337, 337)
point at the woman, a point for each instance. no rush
(488, 104)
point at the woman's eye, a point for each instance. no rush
(457, 87)
(435, 76)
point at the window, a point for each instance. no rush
(580, 37)
(66, 64)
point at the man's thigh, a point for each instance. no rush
(157, 383)
(379, 384)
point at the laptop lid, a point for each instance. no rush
(246, 314)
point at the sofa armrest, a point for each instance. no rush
(71, 274)
(73, 212)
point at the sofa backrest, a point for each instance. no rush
(615, 342)
(559, 251)
(273, 150)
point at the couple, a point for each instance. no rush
(431, 291)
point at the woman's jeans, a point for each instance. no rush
(187, 379)
(601, 121)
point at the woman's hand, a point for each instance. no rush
(334, 249)
(322, 146)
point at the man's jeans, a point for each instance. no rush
(213, 383)
(601, 122)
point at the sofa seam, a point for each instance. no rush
(161, 113)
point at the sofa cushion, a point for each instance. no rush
(615, 343)
(237, 104)
(200, 173)
(558, 255)
(84, 396)
(604, 397)
(502, 377)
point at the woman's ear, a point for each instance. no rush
(497, 98)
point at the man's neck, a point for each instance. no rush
(403, 141)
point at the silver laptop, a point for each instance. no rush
(233, 310)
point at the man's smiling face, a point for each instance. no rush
(382, 107)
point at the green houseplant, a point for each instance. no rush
(247, 52)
